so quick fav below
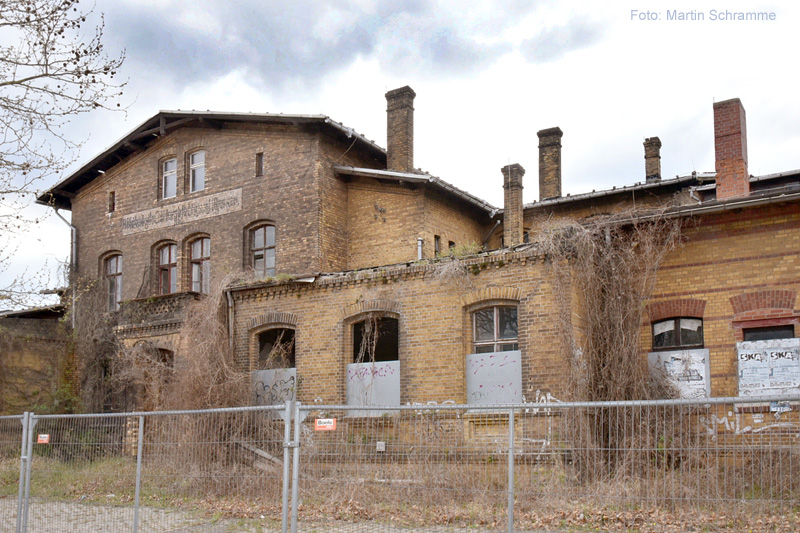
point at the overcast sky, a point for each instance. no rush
(488, 76)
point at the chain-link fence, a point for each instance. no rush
(650, 466)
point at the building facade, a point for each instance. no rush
(342, 255)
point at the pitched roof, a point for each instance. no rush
(61, 194)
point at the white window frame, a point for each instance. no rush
(197, 168)
(169, 176)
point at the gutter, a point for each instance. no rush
(73, 260)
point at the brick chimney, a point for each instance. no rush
(730, 150)
(512, 208)
(550, 163)
(652, 159)
(400, 129)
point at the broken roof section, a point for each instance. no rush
(164, 122)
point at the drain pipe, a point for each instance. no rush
(231, 312)
(73, 260)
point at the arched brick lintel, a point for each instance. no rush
(689, 307)
(771, 299)
(369, 306)
(273, 317)
(491, 293)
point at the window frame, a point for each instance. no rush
(679, 345)
(200, 266)
(497, 342)
(171, 174)
(192, 167)
(170, 268)
(265, 248)
(113, 280)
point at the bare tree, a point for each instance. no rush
(50, 72)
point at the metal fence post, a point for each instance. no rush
(511, 470)
(287, 436)
(29, 453)
(296, 464)
(23, 460)
(139, 448)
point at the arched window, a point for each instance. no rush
(494, 329)
(375, 339)
(168, 269)
(201, 264)
(276, 348)
(262, 250)
(113, 276)
(678, 333)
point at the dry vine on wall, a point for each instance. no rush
(604, 272)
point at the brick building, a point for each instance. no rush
(342, 240)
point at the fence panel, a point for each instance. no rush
(426, 468)
(196, 468)
(655, 465)
(10, 453)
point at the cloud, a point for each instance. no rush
(282, 43)
(553, 43)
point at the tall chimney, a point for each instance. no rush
(730, 150)
(652, 159)
(512, 208)
(550, 163)
(400, 129)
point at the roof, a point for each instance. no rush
(162, 123)
(422, 178)
(50, 311)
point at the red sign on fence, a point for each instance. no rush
(325, 424)
(43, 438)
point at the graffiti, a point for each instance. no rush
(494, 377)
(541, 399)
(432, 428)
(280, 391)
(732, 423)
(432, 402)
(360, 372)
(496, 360)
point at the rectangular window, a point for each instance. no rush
(169, 178)
(197, 171)
(259, 164)
(112, 202)
(201, 265)
(262, 250)
(113, 275)
(168, 269)
(769, 333)
(437, 245)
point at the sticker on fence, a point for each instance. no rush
(325, 424)
(43, 438)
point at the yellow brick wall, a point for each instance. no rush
(724, 256)
(434, 323)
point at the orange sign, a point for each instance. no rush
(325, 424)
(43, 439)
